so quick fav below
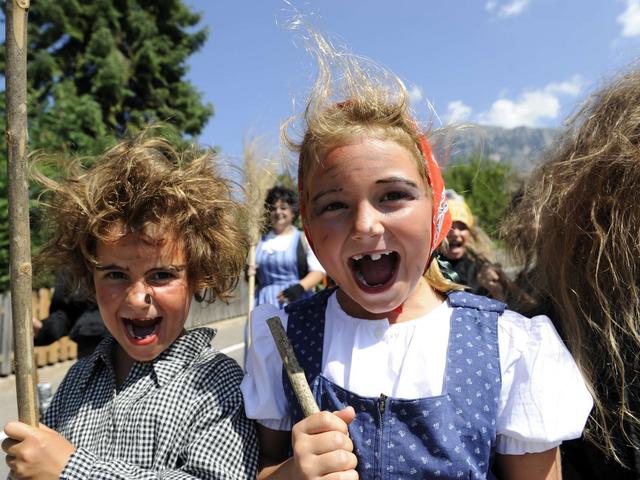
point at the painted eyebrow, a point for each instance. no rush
(322, 193)
(409, 183)
(172, 268)
(113, 266)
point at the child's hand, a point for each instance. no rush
(321, 446)
(33, 452)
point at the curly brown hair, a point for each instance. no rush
(141, 182)
(577, 230)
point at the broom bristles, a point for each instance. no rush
(260, 174)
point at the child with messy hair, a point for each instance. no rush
(144, 231)
(415, 378)
(577, 230)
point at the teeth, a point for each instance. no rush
(378, 256)
(130, 326)
(131, 332)
(372, 256)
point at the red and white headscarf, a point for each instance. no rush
(440, 217)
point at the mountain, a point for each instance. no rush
(522, 147)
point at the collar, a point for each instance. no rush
(180, 354)
(100, 358)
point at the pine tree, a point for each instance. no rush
(100, 69)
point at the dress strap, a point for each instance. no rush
(473, 379)
(305, 329)
(478, 302)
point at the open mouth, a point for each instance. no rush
(455, 250)
(375, 271)
(142, 331)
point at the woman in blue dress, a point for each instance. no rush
(286, 268)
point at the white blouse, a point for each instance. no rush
(272, 242)
(543, 399)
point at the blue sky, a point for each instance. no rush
(495, 62)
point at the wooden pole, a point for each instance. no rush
(251, 291)
(252, 279)
(20, 237)
(295, 373)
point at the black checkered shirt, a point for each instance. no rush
(179, 416)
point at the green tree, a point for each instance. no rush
(487, 187)
(286, 180)
(98, 69)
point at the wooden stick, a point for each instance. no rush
(294, 371)
(251, 291)
(20, 237)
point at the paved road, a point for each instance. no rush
(230, 340)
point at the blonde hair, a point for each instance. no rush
(577, 230)
(139, 183)
(354, 97)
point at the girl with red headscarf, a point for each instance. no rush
(415, 378)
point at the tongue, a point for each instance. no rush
(376, 272)
(143, 331)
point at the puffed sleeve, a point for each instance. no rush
(543, 400)
(262, 389)
(313, 263)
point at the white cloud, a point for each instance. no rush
(532, 106)
(509, 9)
(458, 112)
(572, 87)
(630, 19)
(415, 94)
(514, 8)
(528, 110)
(491, 5)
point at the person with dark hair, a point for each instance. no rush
(72, 315)
(69, 315)
(286, 268)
